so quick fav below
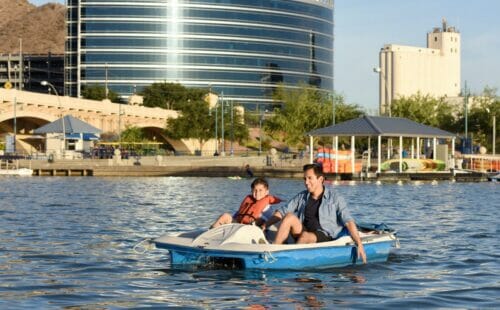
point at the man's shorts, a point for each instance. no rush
(321, 236)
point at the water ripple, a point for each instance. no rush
(67, 242)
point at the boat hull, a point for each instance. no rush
(242, 246)
(298, 259)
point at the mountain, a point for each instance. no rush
(41, 29)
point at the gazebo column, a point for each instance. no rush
(434, 142)
(453, 152)
(400, 154)
(353, 160)
(412, 148)
(418, 147)
(379, 153)
(311, 138)
(336, 154)
(369, 155)
(389, 148)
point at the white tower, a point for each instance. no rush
(407, 70)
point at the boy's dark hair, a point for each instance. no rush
(260, 181)
(318, 170)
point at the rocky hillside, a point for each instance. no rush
(40, 28)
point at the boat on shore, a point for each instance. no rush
(494, 178)
(10, 166)
(411, 164)
(246, 247)
(17, 172)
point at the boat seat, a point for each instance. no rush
(231, 233)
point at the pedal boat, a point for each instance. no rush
(246, 247)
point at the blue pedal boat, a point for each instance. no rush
(246, 247)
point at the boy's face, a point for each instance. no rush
(259, 191)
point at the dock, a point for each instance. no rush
(190, 166)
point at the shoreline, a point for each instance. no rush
(189, 166)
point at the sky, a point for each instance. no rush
(362, 27)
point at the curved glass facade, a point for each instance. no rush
(241, 48)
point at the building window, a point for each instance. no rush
(435, 39)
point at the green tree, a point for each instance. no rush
(194, 122)
(240, 130)
(426, 110)
(480, 117)
(304, 109)
(98, 92)
(170, 95)
(133, 134)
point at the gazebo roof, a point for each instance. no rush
(381, 126)
(71, 125)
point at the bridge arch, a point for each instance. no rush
(156, 133)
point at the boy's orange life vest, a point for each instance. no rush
(250, 209)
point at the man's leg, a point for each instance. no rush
(290, 224)
(307, 237)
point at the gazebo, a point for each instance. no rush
(382, 127)
(75, 134)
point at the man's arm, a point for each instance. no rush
(353, 231)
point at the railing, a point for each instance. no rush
(482, 163)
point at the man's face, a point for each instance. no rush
(312, 182)
(259, 191)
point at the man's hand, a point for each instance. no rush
(361, 252)
(353, 231)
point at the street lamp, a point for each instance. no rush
(387, 97)
(15, 112)
(45, 83)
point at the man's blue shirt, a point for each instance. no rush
(333, 212)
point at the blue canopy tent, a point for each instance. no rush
(73, 128)
(71, 125)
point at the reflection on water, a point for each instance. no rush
(67, 242)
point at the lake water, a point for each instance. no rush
(68, 242)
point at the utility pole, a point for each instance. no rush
(106, 79)
(216, 129)
(466, 99)
(15, 113)
(21, 64)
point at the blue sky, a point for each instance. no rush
(362, 27)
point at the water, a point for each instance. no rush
(67, 242)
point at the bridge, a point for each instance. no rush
(32, 110)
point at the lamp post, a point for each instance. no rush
(45, 83)
(223, 152)
(494, 132)
(119, 125)
(231, 152)
(216, 152)
(387, 97)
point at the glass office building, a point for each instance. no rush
(241, 48)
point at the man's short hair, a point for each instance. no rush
(318, 170)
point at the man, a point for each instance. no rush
(317, 214)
